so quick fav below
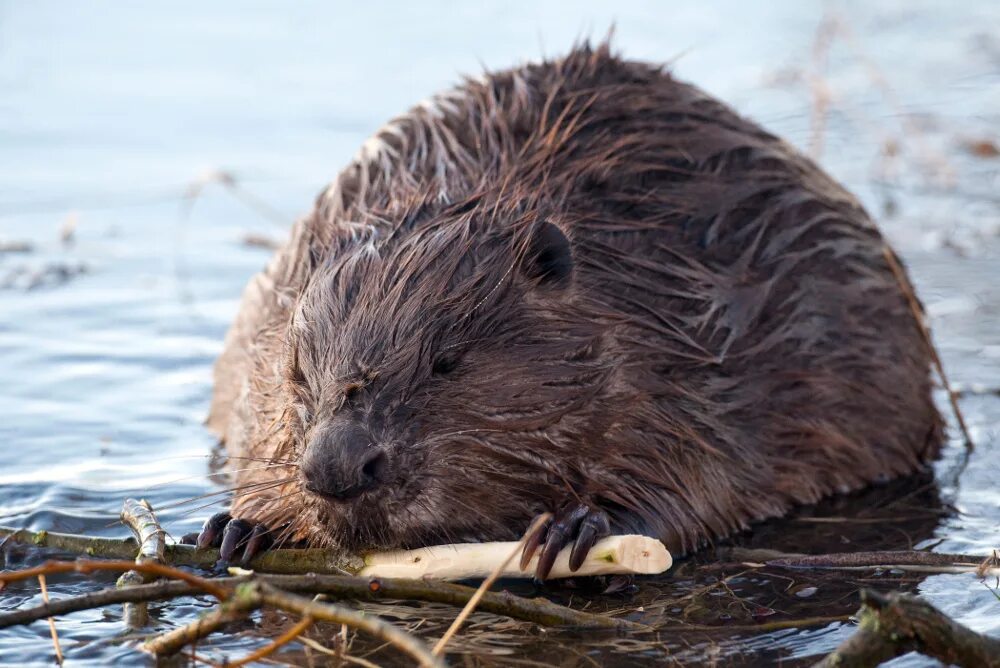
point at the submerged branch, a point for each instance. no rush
(903, 560)
(893, 625)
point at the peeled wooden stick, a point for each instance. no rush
(138, 516)
(618, 555)
(533, 531)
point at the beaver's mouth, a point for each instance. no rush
(376, 519)
(419, 507)
(381, 524)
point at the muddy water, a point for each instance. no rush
(114, 301)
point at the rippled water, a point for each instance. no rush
(112, 112)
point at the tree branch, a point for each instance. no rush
(87, 566)
(896, 624)
(249, 596)
(274, 561)
(537, 610)
(138, 516)
(904, 560)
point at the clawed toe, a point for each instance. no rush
(577, 524)
(211, 531)
(258, 541)
(232, 535)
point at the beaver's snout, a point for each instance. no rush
(342, 463)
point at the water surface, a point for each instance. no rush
(112, 115)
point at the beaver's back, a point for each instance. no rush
(756, 318)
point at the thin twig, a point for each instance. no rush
(762, 627)
(87, 566)
(903, 560)
(918, 316)
(52, 621)
(333, 613)
(487, 583)
(173, 641)
(157, 591)
(323, 649)
(282, 640)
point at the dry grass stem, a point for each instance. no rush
(918, 316)
(487, 583)
(288, 636)
(52, 621)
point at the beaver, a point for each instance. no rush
(578, 286)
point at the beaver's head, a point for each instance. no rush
(443, 378)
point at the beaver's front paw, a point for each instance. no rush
(232, 535)
(575, 523)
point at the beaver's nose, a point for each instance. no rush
(343, 463)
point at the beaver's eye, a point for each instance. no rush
(295, 373)
(445, 364)
(351, 391)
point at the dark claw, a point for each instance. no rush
(561, 532)
(190, 538)
(211, 531)
(531, 545)
(593, 527)
(577, 524)
(260, 539)
(234, 536)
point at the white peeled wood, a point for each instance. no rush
(614, 555)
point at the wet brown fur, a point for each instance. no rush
(731, 341)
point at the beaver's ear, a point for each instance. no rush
(549, 258)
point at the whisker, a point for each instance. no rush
(288, 531)
(188, 513)
(202, 476)
(264, 487)
(264, 460)
(229, 490)
(224, 500)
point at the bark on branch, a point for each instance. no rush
(896, 624)
(537, 610)
(250, 596)
(138, 516)
(276, 561)
(903, 560)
